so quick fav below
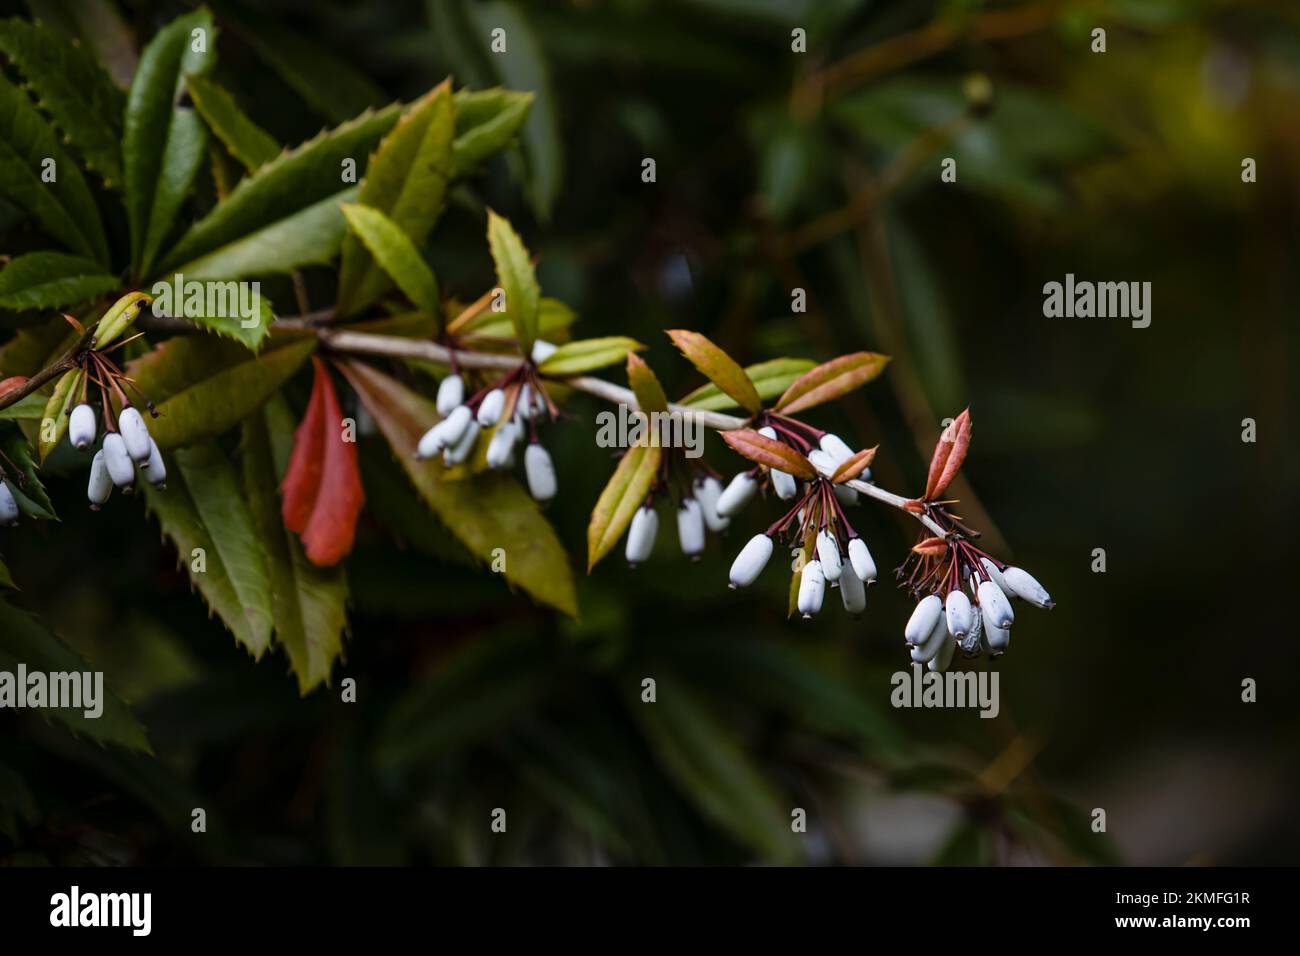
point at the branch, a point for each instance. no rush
(63, 364)
(364, 343)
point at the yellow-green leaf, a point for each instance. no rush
(718, 367)
(396, 254)
(584, 355)
(251, 145)
(770, 379)
(623, 495)
(650, 396)
(54, 423)
(517, 279)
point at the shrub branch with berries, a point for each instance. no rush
(464, 393)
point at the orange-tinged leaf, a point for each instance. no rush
(623, 495)
(719, 367)
(302, 478)
(850, 468)
(931, 546)
(650, 395)
(333, 524)
(768, 452)
(830, 380)
(949, 453)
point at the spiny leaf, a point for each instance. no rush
(949, 453)
(54, 421)
(203, 507)
(650, 396)
(220, 308)
(718, 367)
(770, 379)
(63, 208)
(623, 495)
(492, 511)
(766, 451)
(308, 602)
(585, 355)
(51, 280)
(29, 493)
(73, 89)
(854, 465)
(393, 250)
(244, 139)
(24, 640)
(831, 380)
(203, 387)
(515, 273)
(406, 180)
(286, 201)
(164, 143)
(486, 122)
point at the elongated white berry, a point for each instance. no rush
(489, 410)
(120, 467)
(155, 471)
(853, 593)
(957, 609)
(1017, 582)
(828, 553)
(994, 604)
(530, 403)
(927, 613)
(451, 392)
(925, 651)
(100, 485)
(992, 570)
(81, 427)
(784, 485)
(941, 661)
(540, 472)
(812, 588)
(690, 527)
(707, 492)
(834, 446)
(461, 451)
(135, 435)
(452, 428)
(736, 495)
(750, 562)
(430, 443)
(822, 461)
(848, 496)
(864, 566)
(997, 638)
(543, 350)
(641, 535)
(8, 505)
(501, 449)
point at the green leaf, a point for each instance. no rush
(203, 387)
(285, 214)
(770, 379)
(714, 770)
(831, 380)
(29, 493)
(517, 279)
(553, 320)
(29, 409)
(25, 640)
(35, 347)
(244, 139)
(486, 122)
(396, 254)
(584, 355)
(204, 507)
(225, 317)
(406, 180)
(164, 143)
(97, 25)
(718, 367)
(623, 495)
(51, 280)
(650, 396)
(57, 409)
(309, 602)
(491, 511)
(73, 89)
(64, 208)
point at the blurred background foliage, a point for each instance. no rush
(775, 170)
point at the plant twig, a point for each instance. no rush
(63, 364)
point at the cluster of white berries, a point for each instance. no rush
(841, 560)
(696, 512)
(456, 435)
(125, 450)
(939, 626)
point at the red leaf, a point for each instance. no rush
(302, 477)
(765, 451)
(11, 384)
(931, 546)
(831, 380)
(323, 482)
(855, 465)
(949, 454)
